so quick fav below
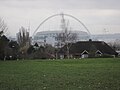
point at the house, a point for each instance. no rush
(118, 51)
(85, 49)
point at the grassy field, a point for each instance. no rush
(82, 74)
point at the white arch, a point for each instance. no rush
(58, 15)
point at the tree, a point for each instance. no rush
(115, 44)
(3, 39)
(23, 37)
(66, 37)
(50, 50)
(31, 50)
(3, 27)
(40, 52)
(13, 45)
(3, 44)
(23, 40)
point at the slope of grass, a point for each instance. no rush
(82, 74)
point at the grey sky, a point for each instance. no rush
(95, 14)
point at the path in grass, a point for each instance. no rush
(83, 74)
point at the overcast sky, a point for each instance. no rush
(97, 15)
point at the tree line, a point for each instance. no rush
(22, 48)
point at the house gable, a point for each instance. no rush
(84, 52)
(98, 52)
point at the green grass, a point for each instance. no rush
(81, 74)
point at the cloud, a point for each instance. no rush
(94, 13)
(63, 4)
(96, 4)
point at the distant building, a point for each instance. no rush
(106, 37)
(49, 37)
(12, 38)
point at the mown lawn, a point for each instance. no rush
(81, 74)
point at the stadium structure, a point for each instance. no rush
(43, 35)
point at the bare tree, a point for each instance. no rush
(66, 37)
(3, 27)
(115, 44)
(23, 40)
(3, 39)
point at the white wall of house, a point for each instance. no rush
(61, 56)
(84, 56)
